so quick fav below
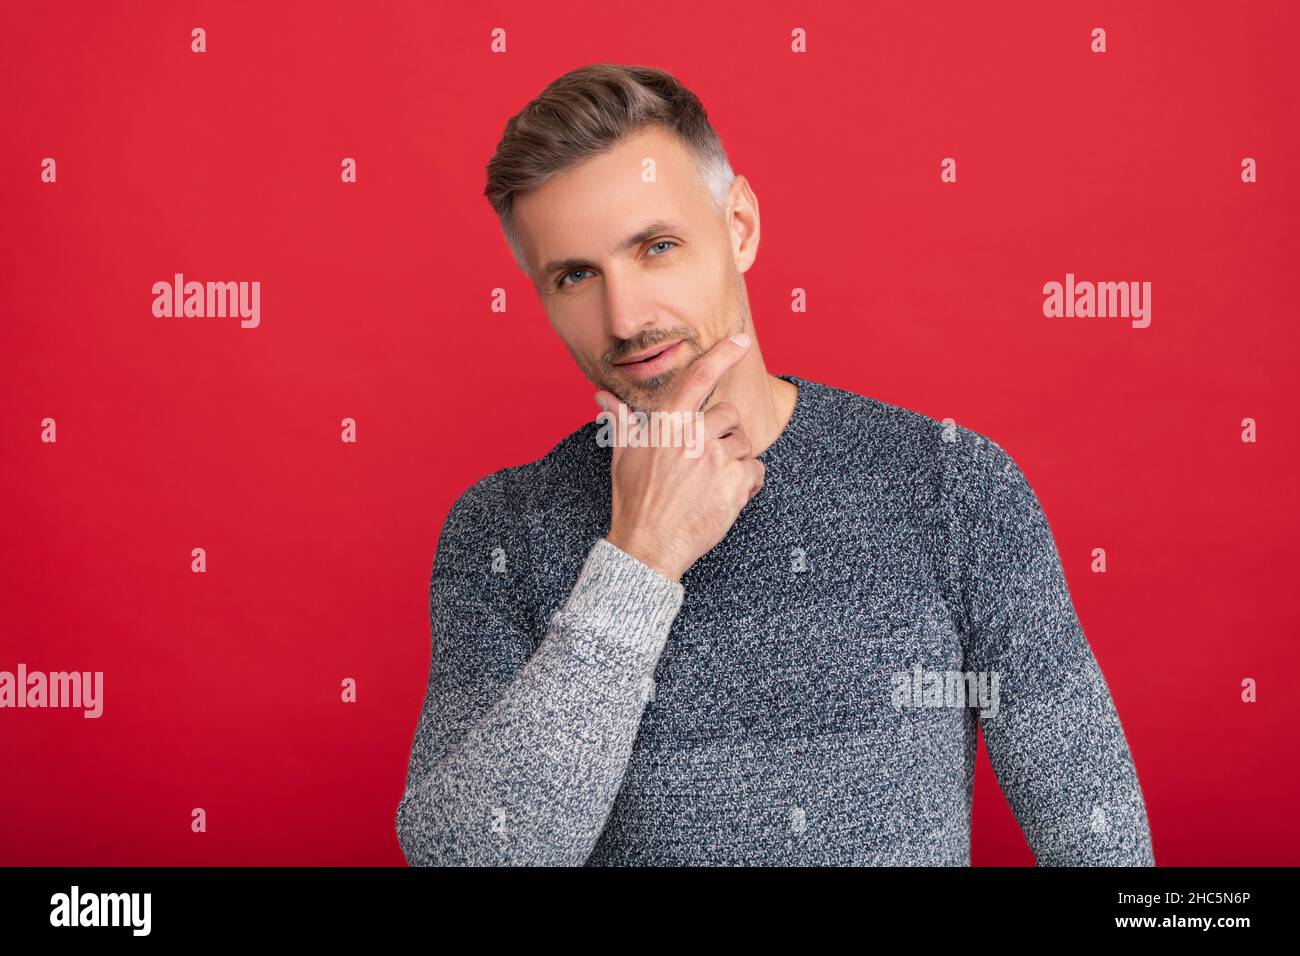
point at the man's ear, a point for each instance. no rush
(742, 221)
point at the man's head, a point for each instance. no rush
(617, 199)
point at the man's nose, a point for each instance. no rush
(627, 311)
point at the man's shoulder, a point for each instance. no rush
(515, 492)
(923, 463)
(898, 436)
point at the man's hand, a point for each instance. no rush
(668, 509)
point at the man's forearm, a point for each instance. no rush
(533, 781)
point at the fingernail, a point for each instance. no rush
(741, 339)
(601, 402)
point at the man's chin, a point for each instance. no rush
(647, 395)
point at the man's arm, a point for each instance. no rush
(518, 753)
(1055, 739)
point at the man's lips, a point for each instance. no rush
(648, 353)
(652, 362)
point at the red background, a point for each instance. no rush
(222, 689)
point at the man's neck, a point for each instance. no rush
(766, 402)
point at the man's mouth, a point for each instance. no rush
(647, 355)
(651, 362)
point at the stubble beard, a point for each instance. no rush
(649, 394)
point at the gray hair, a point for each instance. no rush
(591, 110)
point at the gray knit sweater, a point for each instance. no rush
(808, 694)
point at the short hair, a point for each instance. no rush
(591, 110)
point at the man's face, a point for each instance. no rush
(627, 268)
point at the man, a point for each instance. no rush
(769, 647)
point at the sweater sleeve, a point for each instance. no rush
(521, 745)
(1054, 739)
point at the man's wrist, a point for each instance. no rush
(647, 557)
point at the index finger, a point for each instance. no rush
(703, 374)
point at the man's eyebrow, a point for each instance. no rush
(631, 242)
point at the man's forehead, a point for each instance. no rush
(603, 202)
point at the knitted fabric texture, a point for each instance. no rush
(809, 694)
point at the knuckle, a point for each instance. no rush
(726, 416)
(701, 374)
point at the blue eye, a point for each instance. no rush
(561, 283)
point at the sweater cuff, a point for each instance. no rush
(621, 609)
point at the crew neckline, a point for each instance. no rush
(794, 428)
